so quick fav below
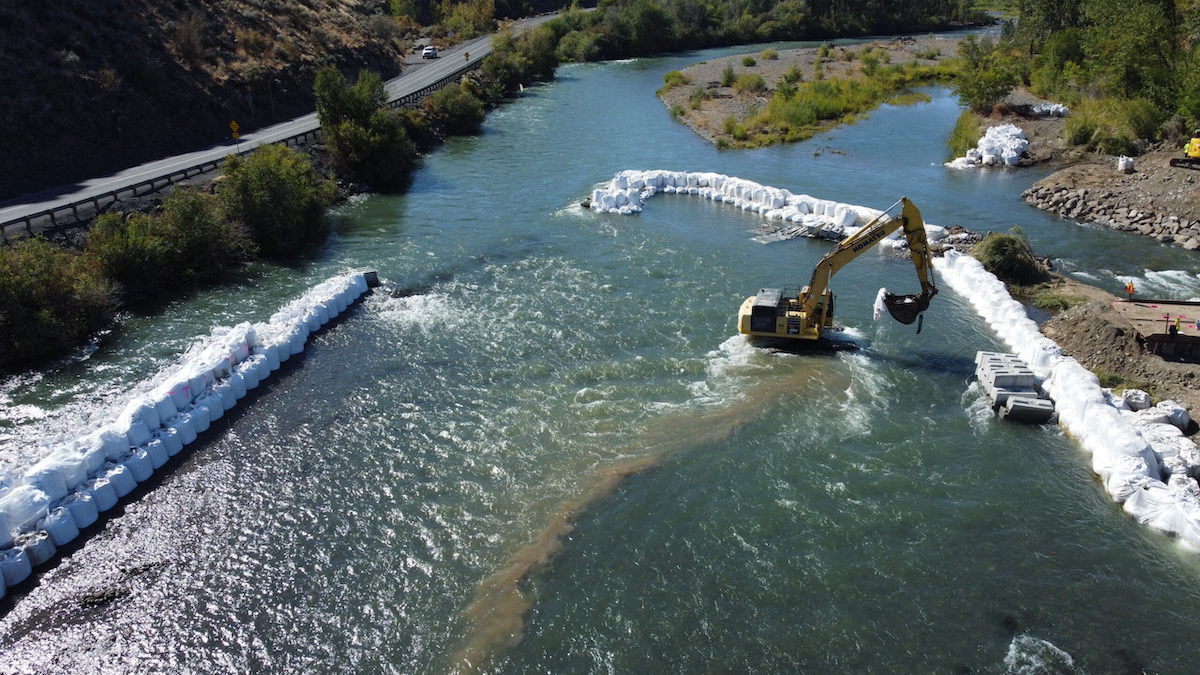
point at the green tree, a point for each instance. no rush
(454, 111)
(368, 142)
(154, 256)
(49, 301)
(985, 78)
(278, 196)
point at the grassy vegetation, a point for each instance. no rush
(1009, 257)
(1045, 296)
(1118, 383)
(768, 55)
(965, 134)
(798, 110)
(673, 79)
(749, 62)
(1112, 126)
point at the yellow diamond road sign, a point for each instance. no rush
(233, 126)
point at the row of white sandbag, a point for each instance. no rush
(51, 501)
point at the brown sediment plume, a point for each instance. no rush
(497, 613)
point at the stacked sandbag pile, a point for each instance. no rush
(1050, 110)
(1139, 452)
(802, 215)
(44, 506)
(1000, 146)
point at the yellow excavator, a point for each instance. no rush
(790, 317)
(1191, 154)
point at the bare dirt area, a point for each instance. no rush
(1101, 340)
(709, 117)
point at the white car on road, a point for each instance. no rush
(429, 52)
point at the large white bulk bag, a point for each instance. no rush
(171, 440)
(82, 508)
(183, 425)
(48, 479)
(92, 451)
(121, 479)
(251, 371)
(72, 466)
(138, 463)
(164, 404)
(238, 384)
(60, 526)
(38, 546)
(225, 391)
(144, 409)
(201, 416)
(199, 383)
(101, 491)
(15, 566)
(6, 531)
(157, 451)
(23, 506)
(213, 403)
(181, 393)
(296, 340)
(137, 432)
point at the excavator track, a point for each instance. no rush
(1185, 162)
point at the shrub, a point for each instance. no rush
(674, 79)
(369, 143)
(965, 134)
(49, 301)
(188, 36)
(1008, 257)
(276, 194)
(186, 245)
(1113, 126)
(455, 111)
(749, 83)
(749, 62)
(727, 75)
(768, 55)
(379, 154)
(793, 74)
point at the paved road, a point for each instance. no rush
(417, 76)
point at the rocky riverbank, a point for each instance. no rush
(1156, 200)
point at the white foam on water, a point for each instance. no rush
(978, 408)
(867, 386)
(1028, 655)
(426, 312)
(1167, 284)
(728, 367)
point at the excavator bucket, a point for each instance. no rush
(905, 308)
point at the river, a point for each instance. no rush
(551, 452)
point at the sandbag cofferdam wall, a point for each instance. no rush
(46, 505)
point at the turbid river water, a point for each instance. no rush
(552, 453)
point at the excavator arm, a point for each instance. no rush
(903, 308)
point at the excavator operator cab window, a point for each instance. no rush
(765, 310)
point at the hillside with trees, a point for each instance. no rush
(1129, 69)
